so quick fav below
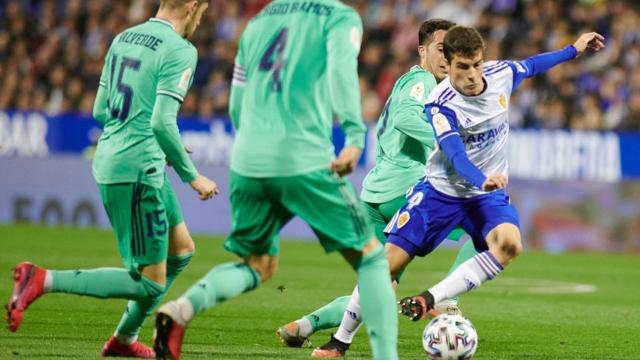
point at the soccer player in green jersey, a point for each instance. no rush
(405, 140)
(296, 66)
(148, 70)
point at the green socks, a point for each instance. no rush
(378, 304)
(105, 283)
(137, 311)
(330, 315)
(466, 252)
(223, 282)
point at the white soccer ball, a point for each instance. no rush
(449, 337)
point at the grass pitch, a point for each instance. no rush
(569, 306)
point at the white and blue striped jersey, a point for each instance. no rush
(481, 121)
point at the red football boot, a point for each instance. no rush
(113, 347)
(168, 337)
(28, 286)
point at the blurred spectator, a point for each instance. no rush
(53, 64)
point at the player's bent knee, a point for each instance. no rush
(180, 240)
(504, 242)
(398, 259)
(265, 265)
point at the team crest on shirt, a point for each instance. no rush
(184, 79)
(440, 123)
(417, 91)
(503, 101)
(355, 38)
(403, 219)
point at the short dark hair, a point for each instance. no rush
(462, 40)
(425, 35)
(177, 3)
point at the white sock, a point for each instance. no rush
(124, 339)
(351, 320)
(468, 276)
(304, 327)
(48, 281)
(181, 310)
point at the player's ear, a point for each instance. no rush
(192, 7)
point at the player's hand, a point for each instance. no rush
(205, 187)
(495, 181)
(589, 41)
(346, 161)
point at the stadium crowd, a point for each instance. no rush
(51, 54)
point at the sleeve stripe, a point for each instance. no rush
(236, 82)
(447, 135)
(496, 70)
(171, 94)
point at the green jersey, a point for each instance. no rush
(405, 139)
(143, 64)
(295, 68)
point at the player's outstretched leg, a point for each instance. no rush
(32, 281)
(28, 286)
(223, 282)
(296, 333)
(339, 342)
(504, 245)
(466, 252)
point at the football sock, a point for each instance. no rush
(377, 303)
(223, 282)
(471, 274)
(137, 311)
(326, 317)
(466, 252)
(351, 320)
(105, 283)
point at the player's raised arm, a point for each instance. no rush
(344, 34)
(445, 126)
(237, 87)
(540, 63)
(409, 113)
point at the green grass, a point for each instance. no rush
(513, 318)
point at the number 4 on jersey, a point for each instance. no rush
(266, 63)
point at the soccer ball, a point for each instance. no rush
(449, 337)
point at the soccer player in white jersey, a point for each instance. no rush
(468, 172)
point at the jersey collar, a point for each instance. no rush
(163, 21)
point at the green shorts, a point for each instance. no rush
(381, 214)
(260, 207)
(141, 217)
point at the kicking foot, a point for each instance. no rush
(416, 307)
(289, 335)
(113, 347)
(168, 336)
(448, 307)
(331, 350)
(28, 286)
